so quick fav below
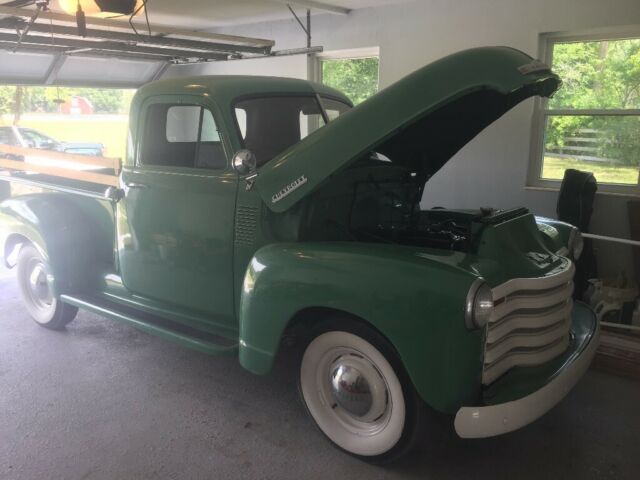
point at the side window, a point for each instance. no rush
(241, 117)
(209, 129)
(183, 124)
(35, 139)
(178, 135)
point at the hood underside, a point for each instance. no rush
(419, 123)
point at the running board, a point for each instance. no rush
(167, 329)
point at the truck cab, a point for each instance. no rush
(251, 208)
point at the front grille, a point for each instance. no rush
(530, 323)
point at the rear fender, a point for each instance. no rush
(74, 234)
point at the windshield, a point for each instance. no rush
(270, 125)
(334, 108)
(36, 138)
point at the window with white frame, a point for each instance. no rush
(593, 122)
(353, 72)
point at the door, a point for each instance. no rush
(175, 222)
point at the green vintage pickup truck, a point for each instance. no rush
(254, 209)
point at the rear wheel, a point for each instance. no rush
(356, 390)
(37, 295)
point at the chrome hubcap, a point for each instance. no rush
(38, 285)
(357, 389)
(351, 390)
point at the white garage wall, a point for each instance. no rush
(293, 66)
(491, 170)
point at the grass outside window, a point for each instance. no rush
(554, 168)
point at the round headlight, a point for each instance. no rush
(479, 305)
(576, 244)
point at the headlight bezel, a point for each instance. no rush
(478, 305)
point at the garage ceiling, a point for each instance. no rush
(46, 49)
(217, 13)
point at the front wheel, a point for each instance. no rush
(356, 390)
(37, 294)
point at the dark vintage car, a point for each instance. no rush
(30, 138)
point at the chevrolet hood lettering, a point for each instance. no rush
(419, 122)
(289, 189)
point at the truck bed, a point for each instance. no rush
(80, 174)
(48, 182)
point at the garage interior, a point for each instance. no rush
(103, 400)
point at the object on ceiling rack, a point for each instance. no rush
(41, 5)
(81, 21)
(83, 8)
(99, 7)
(19, 3)
(55, 33)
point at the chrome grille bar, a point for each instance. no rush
(530, 323)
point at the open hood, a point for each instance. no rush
(419, 122)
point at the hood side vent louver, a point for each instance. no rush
(246, 222)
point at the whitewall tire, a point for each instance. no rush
(355, 389)
(34, 281)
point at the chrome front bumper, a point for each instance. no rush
(489, 421)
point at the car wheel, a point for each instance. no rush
(37, 295)
(355, 388)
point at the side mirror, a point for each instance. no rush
(244, 162)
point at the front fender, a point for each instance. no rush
(416, 300)
(75, 234)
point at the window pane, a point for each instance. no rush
(209, 129)
(357, 77)
(210, 153)
(241, 118)
(310, 123)
(170, 135)
(183, 123)
(271, 125)
(34, 136)
(334, 108)
(608, 146)
(171, 138)
(602, 74)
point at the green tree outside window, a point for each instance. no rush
(356, 77)
(592, 123)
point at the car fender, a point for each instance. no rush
(415, 300)
(74, 234)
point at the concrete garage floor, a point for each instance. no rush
(104, 401)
